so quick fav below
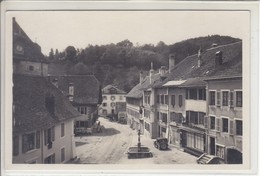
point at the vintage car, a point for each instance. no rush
(210, 159)
(161, 143)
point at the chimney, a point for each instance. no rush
(151, 73)
(218, 58)
(55, 82)
(199, 57)
(141, 77)
(171, 62)
(162, 71)
(71, 91)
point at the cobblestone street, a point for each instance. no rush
(110, 146)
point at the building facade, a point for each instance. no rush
(225, 122)
(113, 101)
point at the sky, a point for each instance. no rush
(59, 29)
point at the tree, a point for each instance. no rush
(51, 55)
(125, 43)
(70, 53)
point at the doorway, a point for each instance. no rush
(212, 146)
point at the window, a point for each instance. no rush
(50, 159)
(193, 94)
(104, 104)
(212, 95)
(31, 68)
(218, 98)
(173, 100)
(166, 97)
(180, 100)
(201, 118)
(162, 99)
(113, 98)
(202, 94)
(120, 97)
(147, 126)
(62, 130)
(104, 97)
(212, 122)
(112, 104)
(15, 145)
(225, 98)
(224, 125)
(239, 127)
(164, 117)
(239, 98)
(29, 141)
(81, 124)
(49, 135)
(220, 151)
(62, 154)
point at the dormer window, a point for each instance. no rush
(31, 68)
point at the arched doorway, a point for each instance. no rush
(234, 156)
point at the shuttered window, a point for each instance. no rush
(212, 98)
(218, 124)
(180, 100)
(239, 127)
(225, 98)
(173, 100)
(166, 99)
(231, 99)
(212, 123)
(225, 125)
(231, 127)
(206, 122)
(218, 98)
(239, 98)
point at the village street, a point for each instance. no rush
(110, 146)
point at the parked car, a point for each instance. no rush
(210, 159)
(161, 143)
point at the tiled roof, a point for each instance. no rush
(188, 68)
(31, 51)
(86, 88)
(136, 92)
(193, 82)
(30, 113)
(115, 90)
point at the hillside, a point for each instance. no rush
(120, 64)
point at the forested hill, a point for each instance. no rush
(120, 64)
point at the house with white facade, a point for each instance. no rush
(113, 101)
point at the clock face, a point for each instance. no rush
(19, 48)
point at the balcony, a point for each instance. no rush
(195, 105)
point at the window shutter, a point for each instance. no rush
(218, 98)
(45, 137)
(231, 125)
(38, 139)
(231, 99)
(52, 133)
(206, 121)
(218, 124)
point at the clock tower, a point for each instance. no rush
(27, 56)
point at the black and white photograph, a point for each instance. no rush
(128, 87)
